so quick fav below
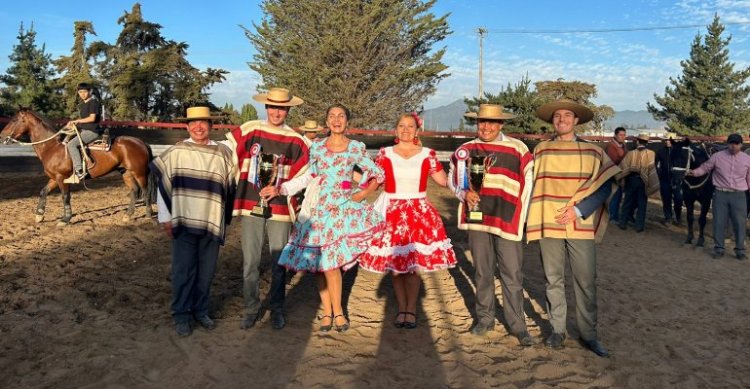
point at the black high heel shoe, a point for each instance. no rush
(397, 323)
(326, 328)
(409, 325)
(343, 327)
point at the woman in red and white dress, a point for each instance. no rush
(414, 240)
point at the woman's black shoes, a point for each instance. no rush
(343, 327)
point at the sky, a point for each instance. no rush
(627, 67)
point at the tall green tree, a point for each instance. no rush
(29, 80)
(710, 97)
(247, 113)
(75, 68)
(374, 56)
(148, 76)
(520, 99)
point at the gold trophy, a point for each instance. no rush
(267, 171)
(478, 167)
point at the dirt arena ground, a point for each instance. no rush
(87, 306)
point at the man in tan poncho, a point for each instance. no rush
(567, 214)
(639, 180)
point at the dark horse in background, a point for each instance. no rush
(689, 156)
(129, 155)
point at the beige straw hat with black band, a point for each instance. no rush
(278, 96)
(546, 111)
(198, 113)
(490, 112)
(311, 126)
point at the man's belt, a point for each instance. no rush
(729, 190)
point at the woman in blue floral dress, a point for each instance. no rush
(333, 231)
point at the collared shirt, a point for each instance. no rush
(731, 171)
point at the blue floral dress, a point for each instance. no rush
(337, 229)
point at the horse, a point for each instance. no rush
(689, 156)
(129, 155)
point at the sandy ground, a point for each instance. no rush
(87, 306)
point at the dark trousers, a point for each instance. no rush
(193, 267)
(582, 256)
(614, 205)
(635, 198)
(489, 252)
(253, 232)
(732, 206)
(671, 198)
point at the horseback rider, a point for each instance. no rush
(90, 114)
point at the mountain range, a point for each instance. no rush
(448, 118)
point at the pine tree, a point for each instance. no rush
(710, 97)
(148, 76)
(376, 57)
(29, 81)
(247, 113)
(75, 68)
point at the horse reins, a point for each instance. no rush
(687, 167)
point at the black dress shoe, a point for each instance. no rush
(717, 255)
(206, 322)
(555, 340)
(481, 329)
(741, 257)
(596, 347)
(183, 329)
(277, 320)
(525, 339)
(249, 320)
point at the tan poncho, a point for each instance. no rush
(643, 162)
(564, 174)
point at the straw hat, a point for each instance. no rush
(644, 137)
(490, 112)
(198, 113)
(546, 111)
(278, 96)
(311, 126)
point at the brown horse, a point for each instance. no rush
(130, 156)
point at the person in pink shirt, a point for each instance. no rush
(731, 177)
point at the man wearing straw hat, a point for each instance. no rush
(254, 138)
(196, 183)
(502, 200)
(639, 179)
(311, 129)
(568, 214)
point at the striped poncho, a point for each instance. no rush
(273, 140)
(565, 173)
(196, 183)
(506, 189)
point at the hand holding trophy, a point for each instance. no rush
(268, 168)
(478, 167)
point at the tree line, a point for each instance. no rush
(380, 57)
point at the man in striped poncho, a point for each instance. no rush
(196, 180)
(572, 182)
